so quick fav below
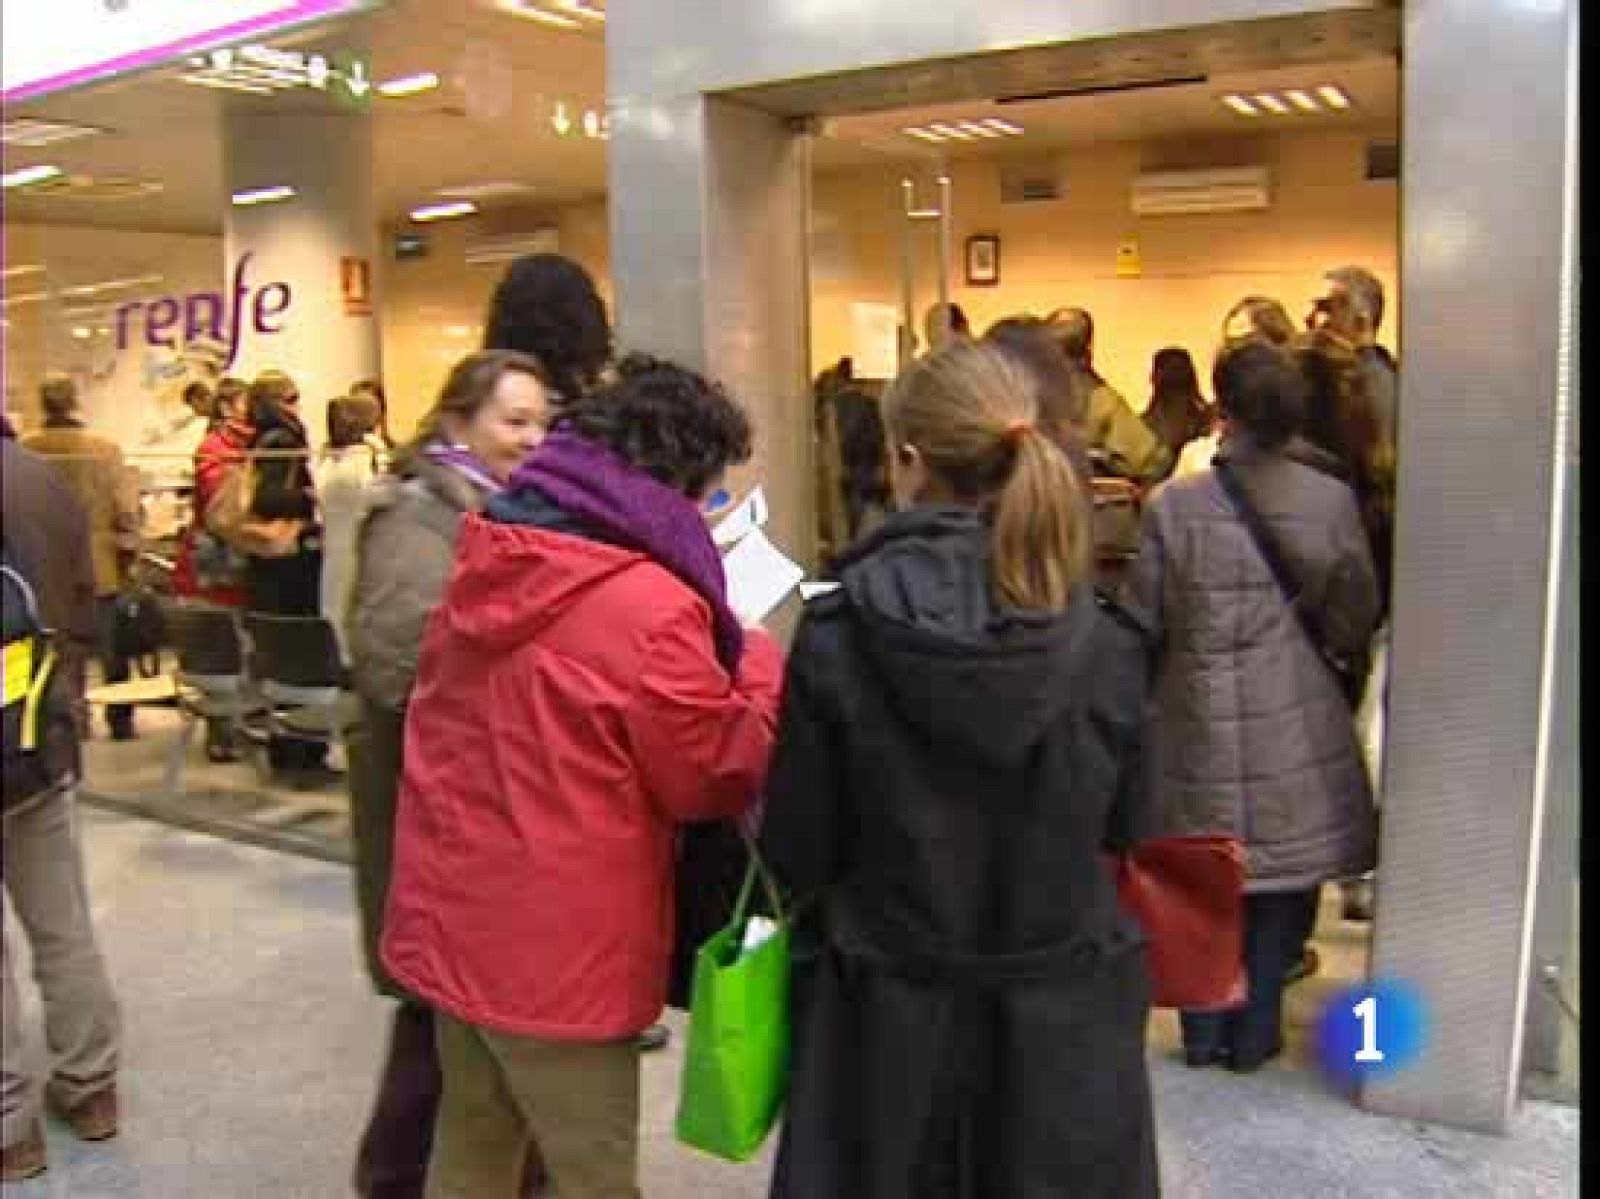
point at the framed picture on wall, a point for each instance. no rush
(983, 260)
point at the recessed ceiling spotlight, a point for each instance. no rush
(1271, 103)
(409, 85)
(1241, 106)
(442, 212)
(25, 176)
(261, 195)
(33, 133)
(1333, 97)
(1302, 100)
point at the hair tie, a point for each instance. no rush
(1015, 432)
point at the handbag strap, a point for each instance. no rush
(1267, 545)
(757, 868)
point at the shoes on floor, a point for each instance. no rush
(1199, 1059)
(1310, 962)
(1249, 1063)
(657, 1036)
(91, 1119)
(26, 1159)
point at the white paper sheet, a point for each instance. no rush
(759, 577)
(810, 591)
(747, 516)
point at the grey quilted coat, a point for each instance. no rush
(1249, 732)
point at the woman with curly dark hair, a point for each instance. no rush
(546, 305)
(585, 636)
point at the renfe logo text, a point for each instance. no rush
(205, 313)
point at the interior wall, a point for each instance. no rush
(1054, 253)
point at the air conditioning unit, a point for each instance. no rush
(1175, 193)
(491, 249)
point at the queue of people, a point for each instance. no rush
(553, 690)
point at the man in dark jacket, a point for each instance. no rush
(47, 539)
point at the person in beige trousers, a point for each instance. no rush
(47, 542)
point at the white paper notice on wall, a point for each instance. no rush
(746, 517)
(874, 340)
(760, 577)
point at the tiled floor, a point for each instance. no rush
(253, 1039)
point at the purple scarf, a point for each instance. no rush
(465, 463)
(624, 504)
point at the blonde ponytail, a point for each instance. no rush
(971, 414)
(1040, 542)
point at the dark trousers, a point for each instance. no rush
(393, 1159)
(113, 667)
(1276, 926)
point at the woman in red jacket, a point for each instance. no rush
(207, 568)
(583, 690)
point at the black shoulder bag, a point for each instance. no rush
(1350, 675)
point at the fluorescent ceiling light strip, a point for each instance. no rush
(1240, 105)
(262, 195)
(927, 135)
(538, 15)
(1333, 96)
(1004, 126)
(1302, 100)
(26, 298)
(11, 272)
(1271, 103)
(93, 289)
(579, 9)
(23, 176)
(409, 85)
(978, 130)
(440, 212)
(951, 131)
(227, 84)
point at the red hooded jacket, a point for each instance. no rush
(569, 712)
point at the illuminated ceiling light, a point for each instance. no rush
(951, 131)
(443, 212)
(579, 8)
(978, 130)
(409, 85)
(27, 131)
(561, 120)
(927, 135)
(261, 195)
(82, 333)
(1302, 100)
(1271, 103)
(11, 272)
(24, 176)
(591, 123)
(94, 289)
(1240, 105)
(29, 297)
(1333, 97)
(492, 190)
(537, 15)
(1004, 126)
(230, 85)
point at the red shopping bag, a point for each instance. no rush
(1187, 893)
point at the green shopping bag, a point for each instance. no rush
(736, 1067)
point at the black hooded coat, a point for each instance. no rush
(970, 997)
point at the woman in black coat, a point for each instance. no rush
(959, 744)
(287, 584)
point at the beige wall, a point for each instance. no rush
(1323, 213)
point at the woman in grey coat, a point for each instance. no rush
(1250, 731)
(492, 412)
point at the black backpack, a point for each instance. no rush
(32, 701)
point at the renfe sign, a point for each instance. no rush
(205, 314)
(68, 43)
